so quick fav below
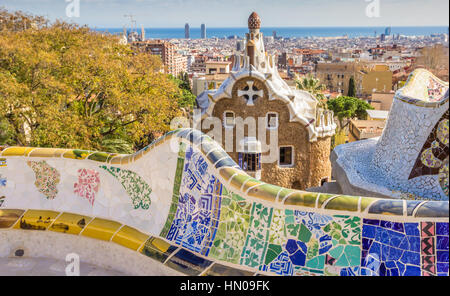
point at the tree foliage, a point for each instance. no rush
(314, 87)
(346, 108)
(62, 85)
(434, 59)
(186, 98)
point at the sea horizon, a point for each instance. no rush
(286, 32)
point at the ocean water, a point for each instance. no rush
(286, 32)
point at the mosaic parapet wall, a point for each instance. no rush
(184, 202)
(410, 159)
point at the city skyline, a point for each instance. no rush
(307, 13)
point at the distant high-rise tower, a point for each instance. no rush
(203, 29)
(186, 31)
(387, 31)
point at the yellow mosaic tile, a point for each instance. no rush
(127, 159)
(227, 173)
(9, 217)
(157, 244)
(101, 229)
(266, 192)
(238, 180)
(115, 160)
(130, 238)
(36, 220)
(70, 223)
(304, 199)
(16, 151)
(77, 154)
(250, 183)
(367, 201)
(138, 155)
(47, 152)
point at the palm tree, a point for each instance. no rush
(314, 87)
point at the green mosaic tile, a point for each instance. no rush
(304, 199)
(304, 234)
(343, 203)
(232, 231)
(257, 236)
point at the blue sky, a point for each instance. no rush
(234, 13)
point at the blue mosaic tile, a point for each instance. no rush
(442, 256)
(442, 228)
(389, 248)
(442, 242)
(412, 229)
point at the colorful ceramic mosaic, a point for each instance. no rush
(196, 218)
(2, 162)
(410, 160)
(47, 178)
(433, 159)
(88, 184)
(219, 221)
(2, 181)
(434, 248)
(134, 185)
(435, 90)
(390, 248)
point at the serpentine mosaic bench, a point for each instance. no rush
(183, 202)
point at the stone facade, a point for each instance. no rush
(311, 159)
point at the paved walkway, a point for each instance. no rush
(48, 267)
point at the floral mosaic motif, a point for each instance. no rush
(2, 181)
(435, 90)
(88, 184)
(2, 200)
(47, 178)
(390, 248)
(3, 162)
(134, 185)
(433, 159)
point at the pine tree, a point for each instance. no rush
(351, 87)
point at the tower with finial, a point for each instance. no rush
(255, 44)
(254, 23)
